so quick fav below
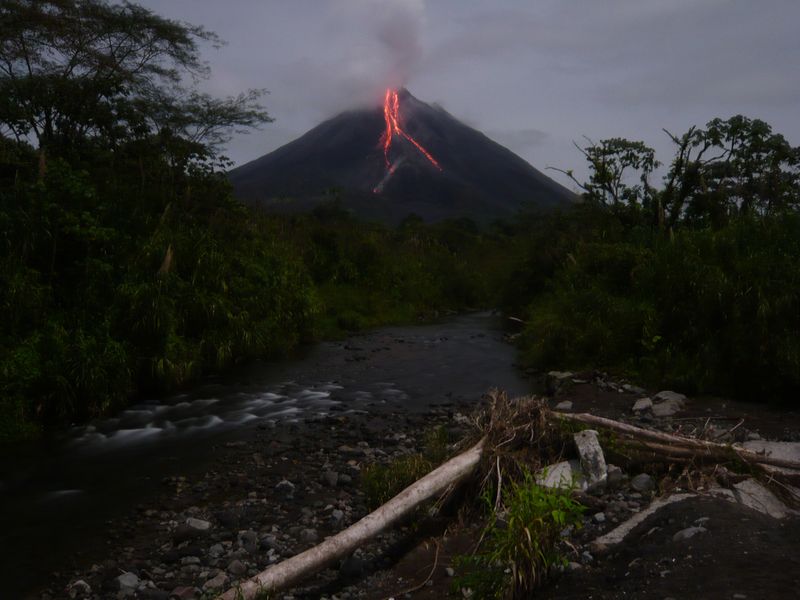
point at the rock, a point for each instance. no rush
(557, 380)
(567, 474)
(643, 483)
(285, 488)
(198, 524)
(216, 583)
(754, 495)
(642, 404)
(248, 540)
(599, 517)
(593, 463)
(668, 403)
(185, 592)
(689, 532)
(337, 516)
(565, 405)
(237, 568)
(613, 475)
(127, 583)
(216, 551)
(79, 589)
(669, 396)
(451, 572)
(309, 536)
(331, 478)
(665, 409)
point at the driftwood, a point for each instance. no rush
(291, 571)
(662, 445)
(681, 446)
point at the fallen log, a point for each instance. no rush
(680, 445)
(291, 571)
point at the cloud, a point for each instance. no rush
(520, 140)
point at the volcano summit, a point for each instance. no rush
(387, 162)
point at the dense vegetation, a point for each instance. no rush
(695, 285)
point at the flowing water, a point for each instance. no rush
(58, 497)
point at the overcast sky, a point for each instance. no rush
(532, 74)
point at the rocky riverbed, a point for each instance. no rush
(261, 500)
(283, 490)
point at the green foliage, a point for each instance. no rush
(521, 543)
(707, 310)
(694, 285)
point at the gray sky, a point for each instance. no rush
(534, 75)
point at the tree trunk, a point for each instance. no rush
(679, 445)
(292, 571)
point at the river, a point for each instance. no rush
(56, 499)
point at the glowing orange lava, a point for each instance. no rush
(391, 113)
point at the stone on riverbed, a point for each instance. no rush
(127, 583)
(642, 404)
(567, 474)
(216, 583)
(754, 495)
(688, 533)
(643, 483)
(668, 403)
(593, 463)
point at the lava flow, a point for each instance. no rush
(391, 114)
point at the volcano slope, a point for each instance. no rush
(347, 158)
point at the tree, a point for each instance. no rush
(612, 163)
(73, 71)
(733, 166)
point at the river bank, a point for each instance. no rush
(284, 489)
(63, 497)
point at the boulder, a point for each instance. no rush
(593, 463)
(669, 396)
(565, 405)
(668, 403)
(237, 568)
(216, 583)
(754, 495)
(127, 583)
(642, 404)
(567, 474)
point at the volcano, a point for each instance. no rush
(388, 162)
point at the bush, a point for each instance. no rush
(522, 542)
